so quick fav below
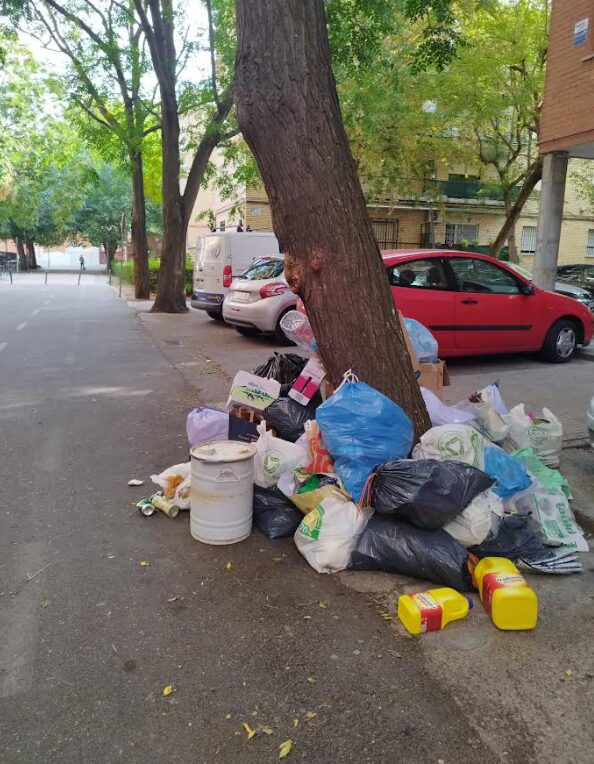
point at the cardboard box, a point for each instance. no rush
(433, 376)
(252, 392)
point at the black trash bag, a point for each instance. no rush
(515, 539)
(284, 368)
(397, 547)
(288, 417)
(274, 514)
(426, 492)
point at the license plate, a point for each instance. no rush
(240, 296)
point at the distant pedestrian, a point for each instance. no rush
(81, 260)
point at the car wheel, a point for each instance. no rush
(214, 315)
(247, 331)
(279, 335)
(561, 342)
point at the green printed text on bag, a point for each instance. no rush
(311, 524)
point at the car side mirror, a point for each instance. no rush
(527, 289)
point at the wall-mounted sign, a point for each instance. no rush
(580, 32)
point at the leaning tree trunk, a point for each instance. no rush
(31, 256)
(532, 178)
(23, 265)
(138, 228)
(511, 234)
(288, 112)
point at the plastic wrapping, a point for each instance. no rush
(275, 456)
(397, 547)
(510, 475)
(439, 413)
(472, 525)
(284, 367)
(515, 538)
(552, 516)
(297, 328)
(551, 480)
(460, 442)
(425, 345)
(176, 484)
(274, 514)
(288, 417)
(205, 424)
(328, 534)
(489, 410)
(362, 428)
(427, 493)
(542, 433)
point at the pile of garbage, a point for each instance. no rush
(339, 470)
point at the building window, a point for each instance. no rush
(386, 233)
(458, 233)
(222, 225)
(528, 246)
(590, 245)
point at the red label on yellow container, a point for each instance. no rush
(494, 581)
(431, 611)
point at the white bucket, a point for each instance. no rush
(222, 489)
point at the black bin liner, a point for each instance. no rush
(284, 368)
(288, 417)
(398, 547)
(274, 514)
(426, 492)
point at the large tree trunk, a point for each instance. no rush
(532, 178)
(288, 112)
(511, 235)
(138, 228)
(23, 265)
(31, 256)
(110, 248)
(171, 296)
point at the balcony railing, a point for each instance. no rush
(468, 189)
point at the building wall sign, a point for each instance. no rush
(580, 32)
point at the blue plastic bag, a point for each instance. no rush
(424, 343)
(509, 473)
(361, 428)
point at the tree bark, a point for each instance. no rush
(288, 112)
(23, 264)
(110, 248)
(532, 178)
(138, 230)
(31, 256)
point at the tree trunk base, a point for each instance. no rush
(163, 306)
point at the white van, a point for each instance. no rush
(222, 257)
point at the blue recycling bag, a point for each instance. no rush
(424, 343)
(361, 428)
(509, 473)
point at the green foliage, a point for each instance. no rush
(125, 270)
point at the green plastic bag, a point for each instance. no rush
(550, 479)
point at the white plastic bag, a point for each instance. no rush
(544, 434)
(329, 533)
(275, 456)
(205, 424)
(439, 413)
(489, 411)
(176, 485)
(554, 516)
(459, 442)
(473, 524)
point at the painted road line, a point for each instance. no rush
(21, 326)
(3, 345)
(36, 311)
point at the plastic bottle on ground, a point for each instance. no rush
(432, 610)
(511, 603)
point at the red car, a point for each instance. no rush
(476, 305)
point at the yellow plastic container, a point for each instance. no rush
(432, 610)
(511, 603)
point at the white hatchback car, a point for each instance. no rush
(259, 298)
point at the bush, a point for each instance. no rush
(125, 270)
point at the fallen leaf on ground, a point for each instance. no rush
(295, 722)
(248, 730)
(277, 559)
(172, 599)
(386, 616)
(568, 672)
(227, 716)
(267, 730)
(394, 654)
(307, 618)
(168, 690)
(229, 565)
(284, 749)
(321, 603)
(45, 603)
(310, 714)
(145, 563)
(135, 481)
(111, 556)
(311, 680)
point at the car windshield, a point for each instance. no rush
(525, 272)
(264, 268)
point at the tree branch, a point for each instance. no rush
(213, 65)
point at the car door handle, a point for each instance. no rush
(469, 302)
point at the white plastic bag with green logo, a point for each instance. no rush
(544, 434)
(459, 442)
(329, 533)
(275, 456)
(551, 510)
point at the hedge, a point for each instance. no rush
(125, 270)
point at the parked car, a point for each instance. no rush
(590, 417)
(220, 258)
(580, 274)
(259, 298)
(561, 287)
(476, 305)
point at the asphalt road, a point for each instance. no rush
(89, 637)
